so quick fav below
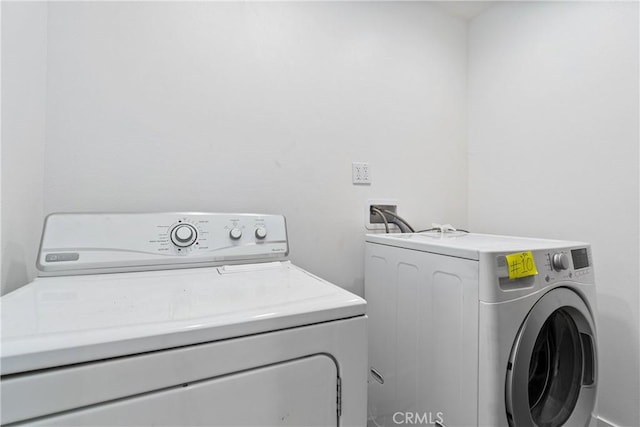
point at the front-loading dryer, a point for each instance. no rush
(480, 330)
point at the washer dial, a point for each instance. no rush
(235, 233)
(184, 235)
(560, 261)
(261, 233)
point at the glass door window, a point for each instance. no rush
(555, 370)
(551, 372)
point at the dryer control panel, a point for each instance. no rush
(116, 242)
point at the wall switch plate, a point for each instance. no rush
(373, 221)
(361, 173)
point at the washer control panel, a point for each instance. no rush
(86, 243)
(555, 265)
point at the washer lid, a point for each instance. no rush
(64, 320)
(465, 245)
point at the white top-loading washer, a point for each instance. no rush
(127, 331)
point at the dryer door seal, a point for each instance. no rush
(551, 374)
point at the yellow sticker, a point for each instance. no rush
(521, 264)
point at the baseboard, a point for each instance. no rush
(604, 423)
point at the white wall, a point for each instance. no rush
(262, 107)
(553, 152)
(259, 107)
(24, 27)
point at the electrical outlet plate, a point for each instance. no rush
(361, 173)
(371, 221)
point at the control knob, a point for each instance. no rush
(235, 233)
(261, 233)
(560, 261)
(183, 235)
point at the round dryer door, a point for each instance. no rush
(551, 375)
